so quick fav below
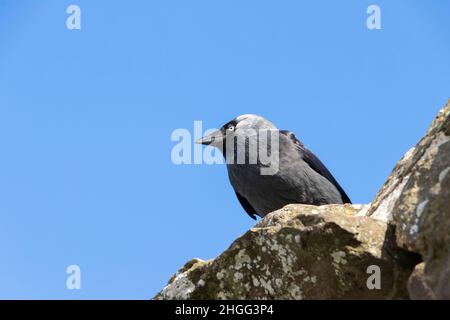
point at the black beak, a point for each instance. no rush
(213, 137)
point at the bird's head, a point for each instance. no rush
(241, 125)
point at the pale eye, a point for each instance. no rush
(230, 128)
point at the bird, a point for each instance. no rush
(299, 176)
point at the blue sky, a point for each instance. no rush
(86, 116)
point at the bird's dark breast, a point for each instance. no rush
(265, 193)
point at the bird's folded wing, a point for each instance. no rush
(315, 163)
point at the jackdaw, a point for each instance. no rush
(270, 168)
